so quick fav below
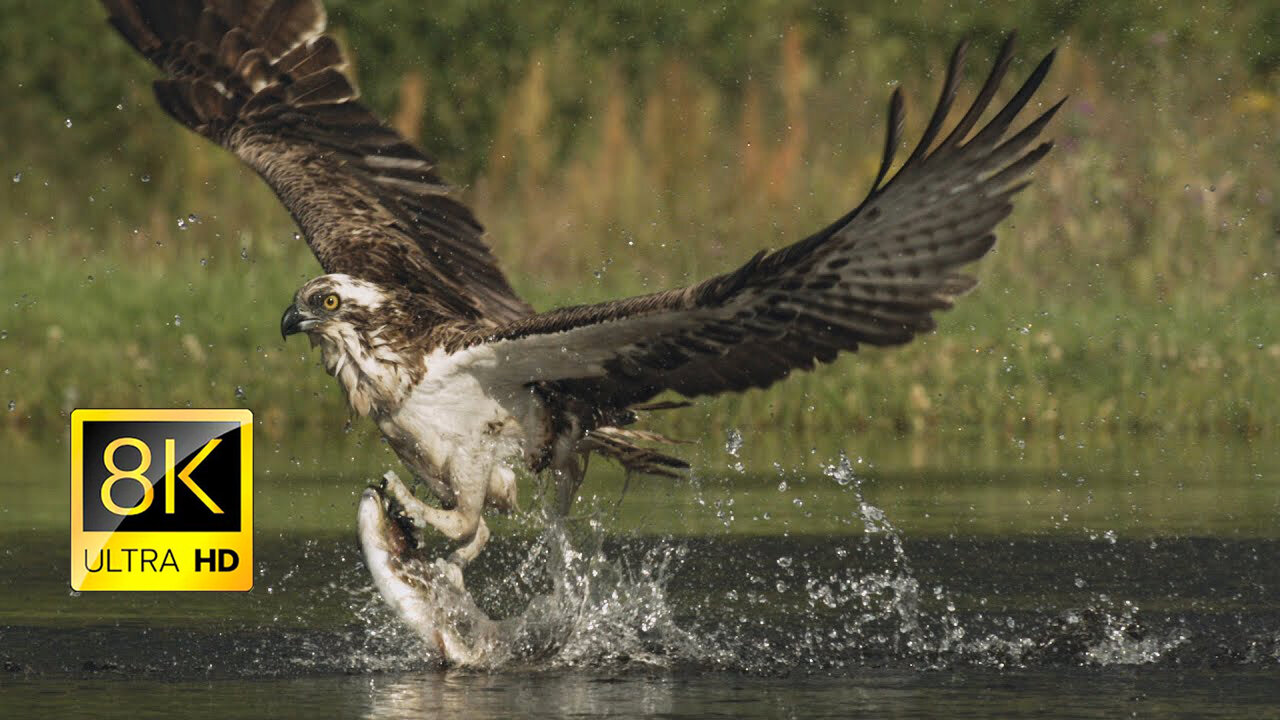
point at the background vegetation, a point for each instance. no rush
(621, 147)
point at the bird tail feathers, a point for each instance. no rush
(628, 447)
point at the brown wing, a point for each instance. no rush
(261, 78)
(874, 276)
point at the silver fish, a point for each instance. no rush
(428, 596)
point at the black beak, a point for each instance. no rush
(291, 321)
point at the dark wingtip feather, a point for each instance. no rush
(947, 97)
(1002, 120)
(892, 136)
(989, 87)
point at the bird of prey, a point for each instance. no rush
(470, 384)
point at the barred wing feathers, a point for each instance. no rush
(261, 78)
(875, 276)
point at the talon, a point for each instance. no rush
(452, 571)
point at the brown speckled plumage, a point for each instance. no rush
(262, 79)
(874, 276)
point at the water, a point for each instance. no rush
(1045, 587)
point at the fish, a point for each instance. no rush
(427, 596)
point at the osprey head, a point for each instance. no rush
(330, 306)
(349, 318)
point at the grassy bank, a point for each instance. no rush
(1132, 293)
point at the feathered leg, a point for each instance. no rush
(462, 524)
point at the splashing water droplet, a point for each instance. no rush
(146, 178)
(17, 177)
(244, 253)
(4, 334)
(240, 392)
(784, 561)
(12, 406)
(182, 224)
(192, 219)
(733, 442)
(842, 471)
(67, 122)
(177, 321)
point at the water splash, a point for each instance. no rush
(733, 446)
(1124, 641)
(578, 607)
(579, 597)
(601, 611)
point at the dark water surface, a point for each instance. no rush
(1109, 588)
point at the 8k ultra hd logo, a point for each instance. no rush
(161, 500)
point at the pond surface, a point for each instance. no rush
(1074, 581)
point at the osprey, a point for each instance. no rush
(467, 382)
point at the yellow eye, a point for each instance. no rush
(331, 302)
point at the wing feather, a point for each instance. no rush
(875, 276)
(261, 78)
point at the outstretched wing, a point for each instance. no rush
(261, 78)
(874, 276)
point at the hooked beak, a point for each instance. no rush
(295, 321)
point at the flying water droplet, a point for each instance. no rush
(842, 472)
(17, 177)
(733, 442)
(177, 321)
(12, 406)
(182, 223)
(240, 392)
(67, 122)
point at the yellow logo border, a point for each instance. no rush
(82, 542)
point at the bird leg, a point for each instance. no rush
(461, 524)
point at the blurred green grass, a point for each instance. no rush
(627, 147)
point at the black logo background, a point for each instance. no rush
(218, 475)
